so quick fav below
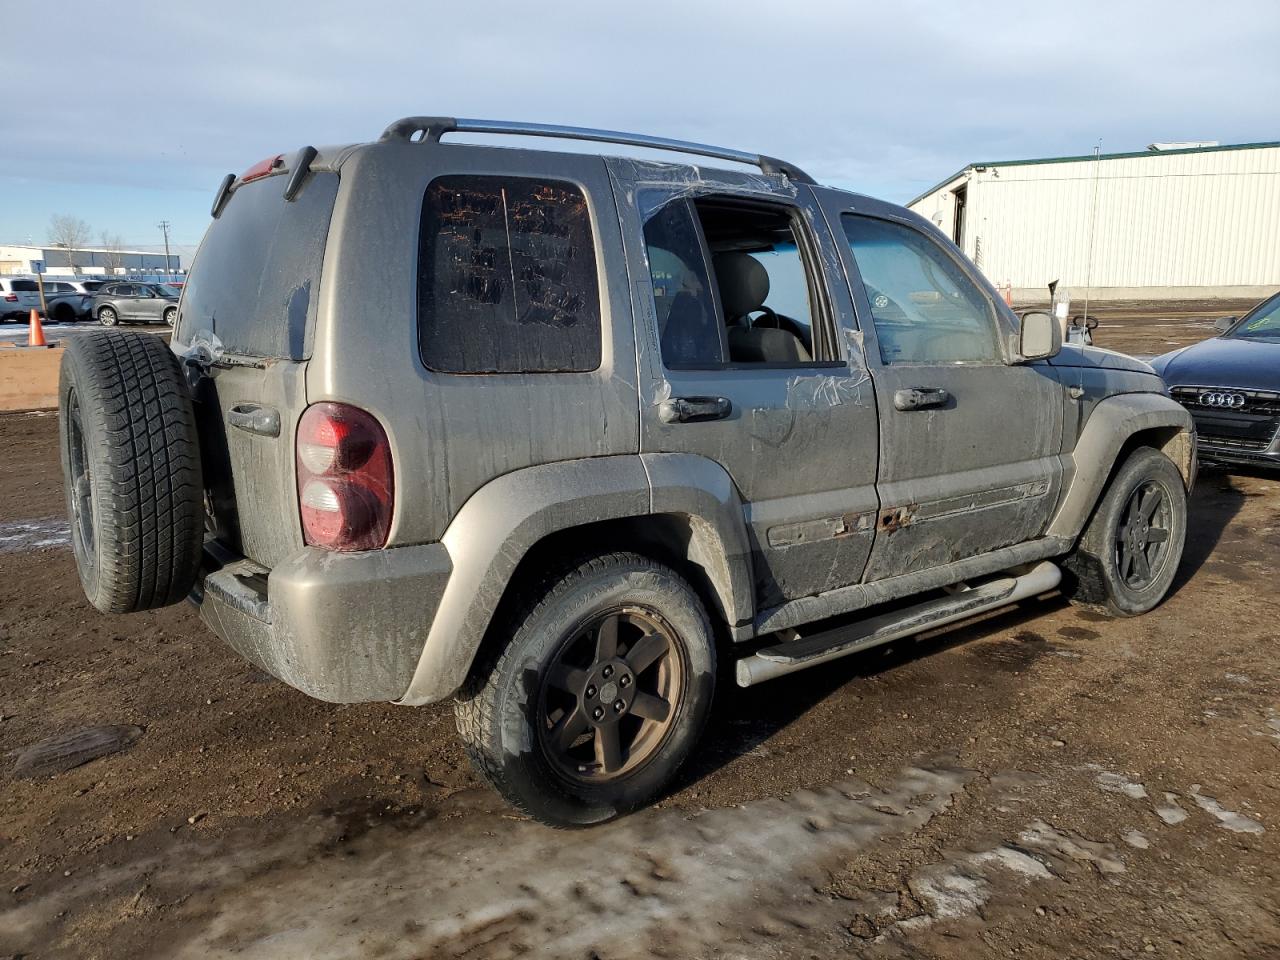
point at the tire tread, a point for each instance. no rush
(148, 487)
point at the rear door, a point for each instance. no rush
(250, 303)
(795, 429)
(969, 438)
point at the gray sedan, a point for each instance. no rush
(135, 303)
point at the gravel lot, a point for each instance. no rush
(1044, 783)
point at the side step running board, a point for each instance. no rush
(784, 658)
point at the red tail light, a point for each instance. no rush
(345, 485)
(11, 298)
(262, 168)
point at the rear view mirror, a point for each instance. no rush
(1041, 336)
(1223, 324)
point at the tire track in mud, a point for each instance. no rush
(741, 875)
(657, 884)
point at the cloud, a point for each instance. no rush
(884, 96)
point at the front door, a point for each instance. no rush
(969, 437)
(742, 362)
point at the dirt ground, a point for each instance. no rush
(1045, 783)
(1145, 329)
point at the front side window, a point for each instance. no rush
(924, 308)
(507, 278)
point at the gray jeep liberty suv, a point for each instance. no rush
(556, 433)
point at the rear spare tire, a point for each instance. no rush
(131, 470)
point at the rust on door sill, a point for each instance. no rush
(895, 518)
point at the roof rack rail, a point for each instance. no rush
(432, 128)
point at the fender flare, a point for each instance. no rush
(503, 520)
(1113, 422)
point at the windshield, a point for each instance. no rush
(1262, 323)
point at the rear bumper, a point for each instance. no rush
(346, 628)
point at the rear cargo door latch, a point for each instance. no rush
(255, 418)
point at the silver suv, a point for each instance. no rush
(18, 297)
(135, 302)
(560, 435)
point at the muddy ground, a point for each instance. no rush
(1045, 783)
(1148, 329)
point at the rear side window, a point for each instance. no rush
(24, 286)
(689, 329)
(256, 278)
(507, 278)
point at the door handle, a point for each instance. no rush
(254, 418)
(920, 398)
(694, 409)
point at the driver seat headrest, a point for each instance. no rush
(743, 281)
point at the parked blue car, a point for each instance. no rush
(1231, 385)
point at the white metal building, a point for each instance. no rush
(24, 260)
(1174, 221)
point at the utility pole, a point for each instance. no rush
(164, 227)
(1093, 228)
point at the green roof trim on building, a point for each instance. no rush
(1089, 156)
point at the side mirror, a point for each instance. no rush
(1223, 324)
(1040, 337)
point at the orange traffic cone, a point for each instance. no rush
(35, 338)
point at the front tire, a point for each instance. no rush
(599, 696)
(1129, 553)
(171, 316)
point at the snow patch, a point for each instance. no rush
(1171, 813)
(1135, 839)
(20, 536)
(1227, 819)
(1118, 783)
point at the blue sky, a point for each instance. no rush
(160, 99)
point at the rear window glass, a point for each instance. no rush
(256, 276)
(507, 277)
(24, 286)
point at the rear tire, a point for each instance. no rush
(572, 735)
(1129, 552)
(107, 317)
(130, 470)
(171, 316)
